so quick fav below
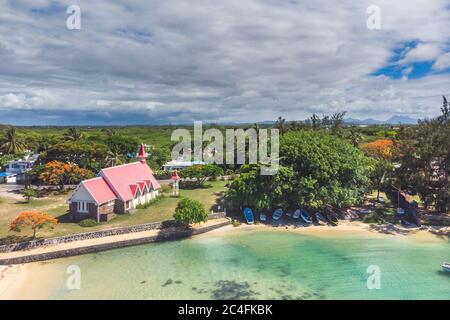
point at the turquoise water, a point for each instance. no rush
(260, 265)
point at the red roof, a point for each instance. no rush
(120, 178)
(99, 190)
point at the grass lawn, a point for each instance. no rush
(58, 206)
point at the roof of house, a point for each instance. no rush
(99, 190)
(124, 179)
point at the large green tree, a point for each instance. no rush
(316, 169)
(424, 157)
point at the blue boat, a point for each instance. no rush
(277, 214)
(305, 217)
(248, 213)
(321, 218)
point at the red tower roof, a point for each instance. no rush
(141, 154)
(175, 176)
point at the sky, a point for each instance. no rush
(172, 61)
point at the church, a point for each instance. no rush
(116, 190)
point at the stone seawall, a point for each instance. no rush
(28, 245)
(165, 235)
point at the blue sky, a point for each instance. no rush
(397, 68)
(157, 61)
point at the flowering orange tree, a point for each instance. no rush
(36, 220)
(60, 173)
(379, 149)
(382, 167)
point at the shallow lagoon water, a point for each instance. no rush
(258, 264)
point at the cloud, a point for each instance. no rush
(443, 62)
(176, 61)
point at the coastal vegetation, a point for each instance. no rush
(316, 169)
(323, 162)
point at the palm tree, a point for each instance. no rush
(114, 158)
(355, 137)
(12, 145)
(315, 122)
(73, 134)
(280, 124)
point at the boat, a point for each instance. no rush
(320, 217)
(305, 217)
(248, 213)
(365, 211)
(289, 214)
(408, 224)
(262, 217)
(446, 267)
(341, 214)
(277, 214)
(333, 219)
(296, 214)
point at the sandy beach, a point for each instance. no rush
(12, 281)
(14, 278)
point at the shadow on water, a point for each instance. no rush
(233, 290)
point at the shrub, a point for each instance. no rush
(151, 202)
(87, 223)
(190, 211)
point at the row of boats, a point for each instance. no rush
(300, 214)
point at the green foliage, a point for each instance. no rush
(29, 193)
(161, 174)
(425, 160)
(190, 211)
(150, 203)
(85, 154)
(88, 223)
(158, 157)
(200, 173)
(4, 161)
(316, 169)
(13, 144)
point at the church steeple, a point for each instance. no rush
(141, 154)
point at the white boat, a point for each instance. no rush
(446, 267)
(296, 214)
(262, 217)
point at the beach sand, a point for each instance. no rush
(12, 281)
(15, 279)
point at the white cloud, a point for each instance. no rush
(443, 62)
(423, 52)
(228, 60)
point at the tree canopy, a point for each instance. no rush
(190, 211)
(316, 169)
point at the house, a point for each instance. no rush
(180, 165)
(116, 190)
(16, 169)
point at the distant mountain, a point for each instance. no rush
(401, 120)
(391, 120)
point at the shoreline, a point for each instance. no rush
(13, 278)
